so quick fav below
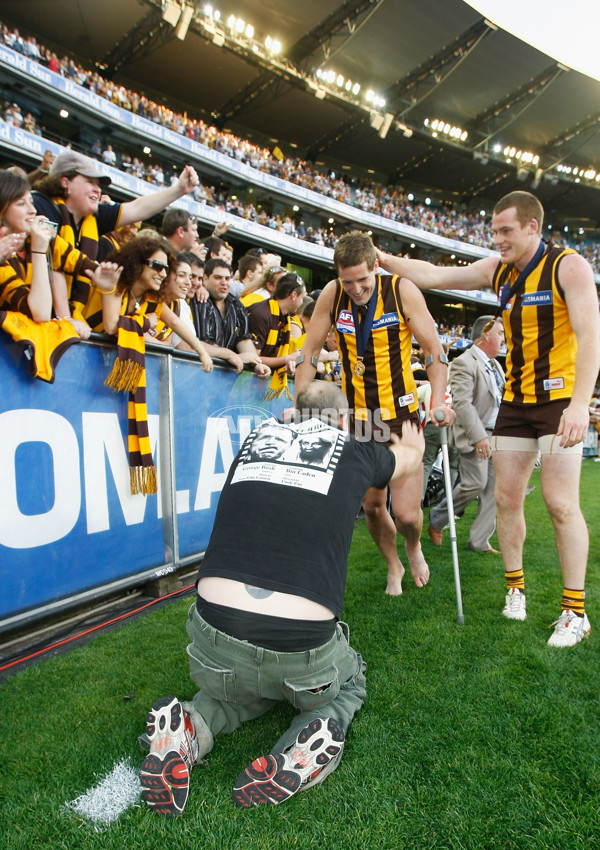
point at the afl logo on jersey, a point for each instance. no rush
(345, 322)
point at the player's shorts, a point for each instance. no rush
(531, 428)
(371, 426)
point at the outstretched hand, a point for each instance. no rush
(188, 180)
(106, 276)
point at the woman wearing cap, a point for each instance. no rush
(25, 284)
(70, 196)
(26, 287)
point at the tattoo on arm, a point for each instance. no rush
(258, 592)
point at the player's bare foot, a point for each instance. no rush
(394, 582)
(418, 566)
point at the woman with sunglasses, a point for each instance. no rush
(174, 291)
(145, 263)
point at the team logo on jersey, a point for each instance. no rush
(554, 384)
(405, 400)
(535, 299)
(345, 322)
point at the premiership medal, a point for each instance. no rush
(363, 332)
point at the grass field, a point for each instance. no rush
(473, 736)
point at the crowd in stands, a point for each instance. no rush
(10, 113)
(389, 202)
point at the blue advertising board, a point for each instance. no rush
(68, 521)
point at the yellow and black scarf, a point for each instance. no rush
(79, 287)
(129, 375)
(277, 344)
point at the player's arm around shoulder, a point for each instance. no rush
(424, 275)
(576, 279)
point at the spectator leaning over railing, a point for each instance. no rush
(174, 292)
(26, 293)
(270, 327)
(146, 263)
(70, 197)
(131, 311)
(223, 322)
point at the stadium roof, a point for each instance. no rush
(429, 59)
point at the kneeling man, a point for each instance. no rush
(265, 626)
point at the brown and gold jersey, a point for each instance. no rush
(540, 363)
(387, 384)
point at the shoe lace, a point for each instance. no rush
(514, 599)
(564, 621)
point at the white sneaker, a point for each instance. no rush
(569, 629)
(515, 607)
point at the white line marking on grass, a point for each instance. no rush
(115, 793)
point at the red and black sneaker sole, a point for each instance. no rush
(165, 783)
(271, 779)
(265, 782)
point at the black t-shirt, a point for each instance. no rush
(286, 513)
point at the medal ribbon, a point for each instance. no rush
(508, 292)
(363, 331)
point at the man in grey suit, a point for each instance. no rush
(476, 383)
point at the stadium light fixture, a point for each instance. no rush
(171, 12)
(438, 127)
(184, 22)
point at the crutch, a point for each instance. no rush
(439, 416)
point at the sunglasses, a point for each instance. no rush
(156, 265)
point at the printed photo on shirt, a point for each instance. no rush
(303, 454)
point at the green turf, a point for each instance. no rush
(473, 736)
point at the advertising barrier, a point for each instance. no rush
(69, 525)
